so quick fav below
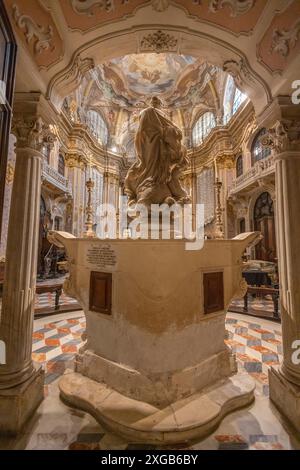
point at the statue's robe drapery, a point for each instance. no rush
(154, 177)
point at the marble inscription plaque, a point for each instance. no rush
(101, 256)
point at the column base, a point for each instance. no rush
(285, 396)
(179, 421)
(17, 404)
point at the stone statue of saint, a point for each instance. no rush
(161, 157)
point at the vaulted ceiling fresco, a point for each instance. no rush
(122, 87)
(151, 73)
(130, 81)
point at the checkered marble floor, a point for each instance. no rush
(47, 300)
(259, 305)
(257, 344)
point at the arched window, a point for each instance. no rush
(239, 166)
(233, 98)
(61, 165)
(97, 126)
(203, 127)
(238, 99)
(258, 152)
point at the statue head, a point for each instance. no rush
(156, 102)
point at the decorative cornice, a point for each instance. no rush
(69, 78)
(159, 42)
(238, 7)
(239, 72)
(283, 41)
(40, 35)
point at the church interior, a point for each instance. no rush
(115, 342)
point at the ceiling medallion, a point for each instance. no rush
(159, 42)
(41, 35)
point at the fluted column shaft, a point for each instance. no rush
(284, 140)
(288, 229)
(16, 322)
(21, 381)
(20, 276)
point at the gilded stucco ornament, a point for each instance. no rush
(159, 42)
(73, 160)
(10, 171)
(241, 290)
(40, 35)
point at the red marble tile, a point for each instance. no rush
(229, 438)
(37, 335)
(260, 377)
(261, 349)
(56, 367)
(63, 330)
(39, 357)
(52, 342)
(69, 348)
(245, 358)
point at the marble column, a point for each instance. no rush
(21, 381)
(76, 173)
(284, 139)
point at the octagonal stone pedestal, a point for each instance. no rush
(154, 366)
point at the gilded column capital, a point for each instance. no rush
(74, 160)
(225, 161)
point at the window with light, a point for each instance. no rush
(258, 151)
(203, 127)
(98, 127)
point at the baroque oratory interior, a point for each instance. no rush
(149, 208)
